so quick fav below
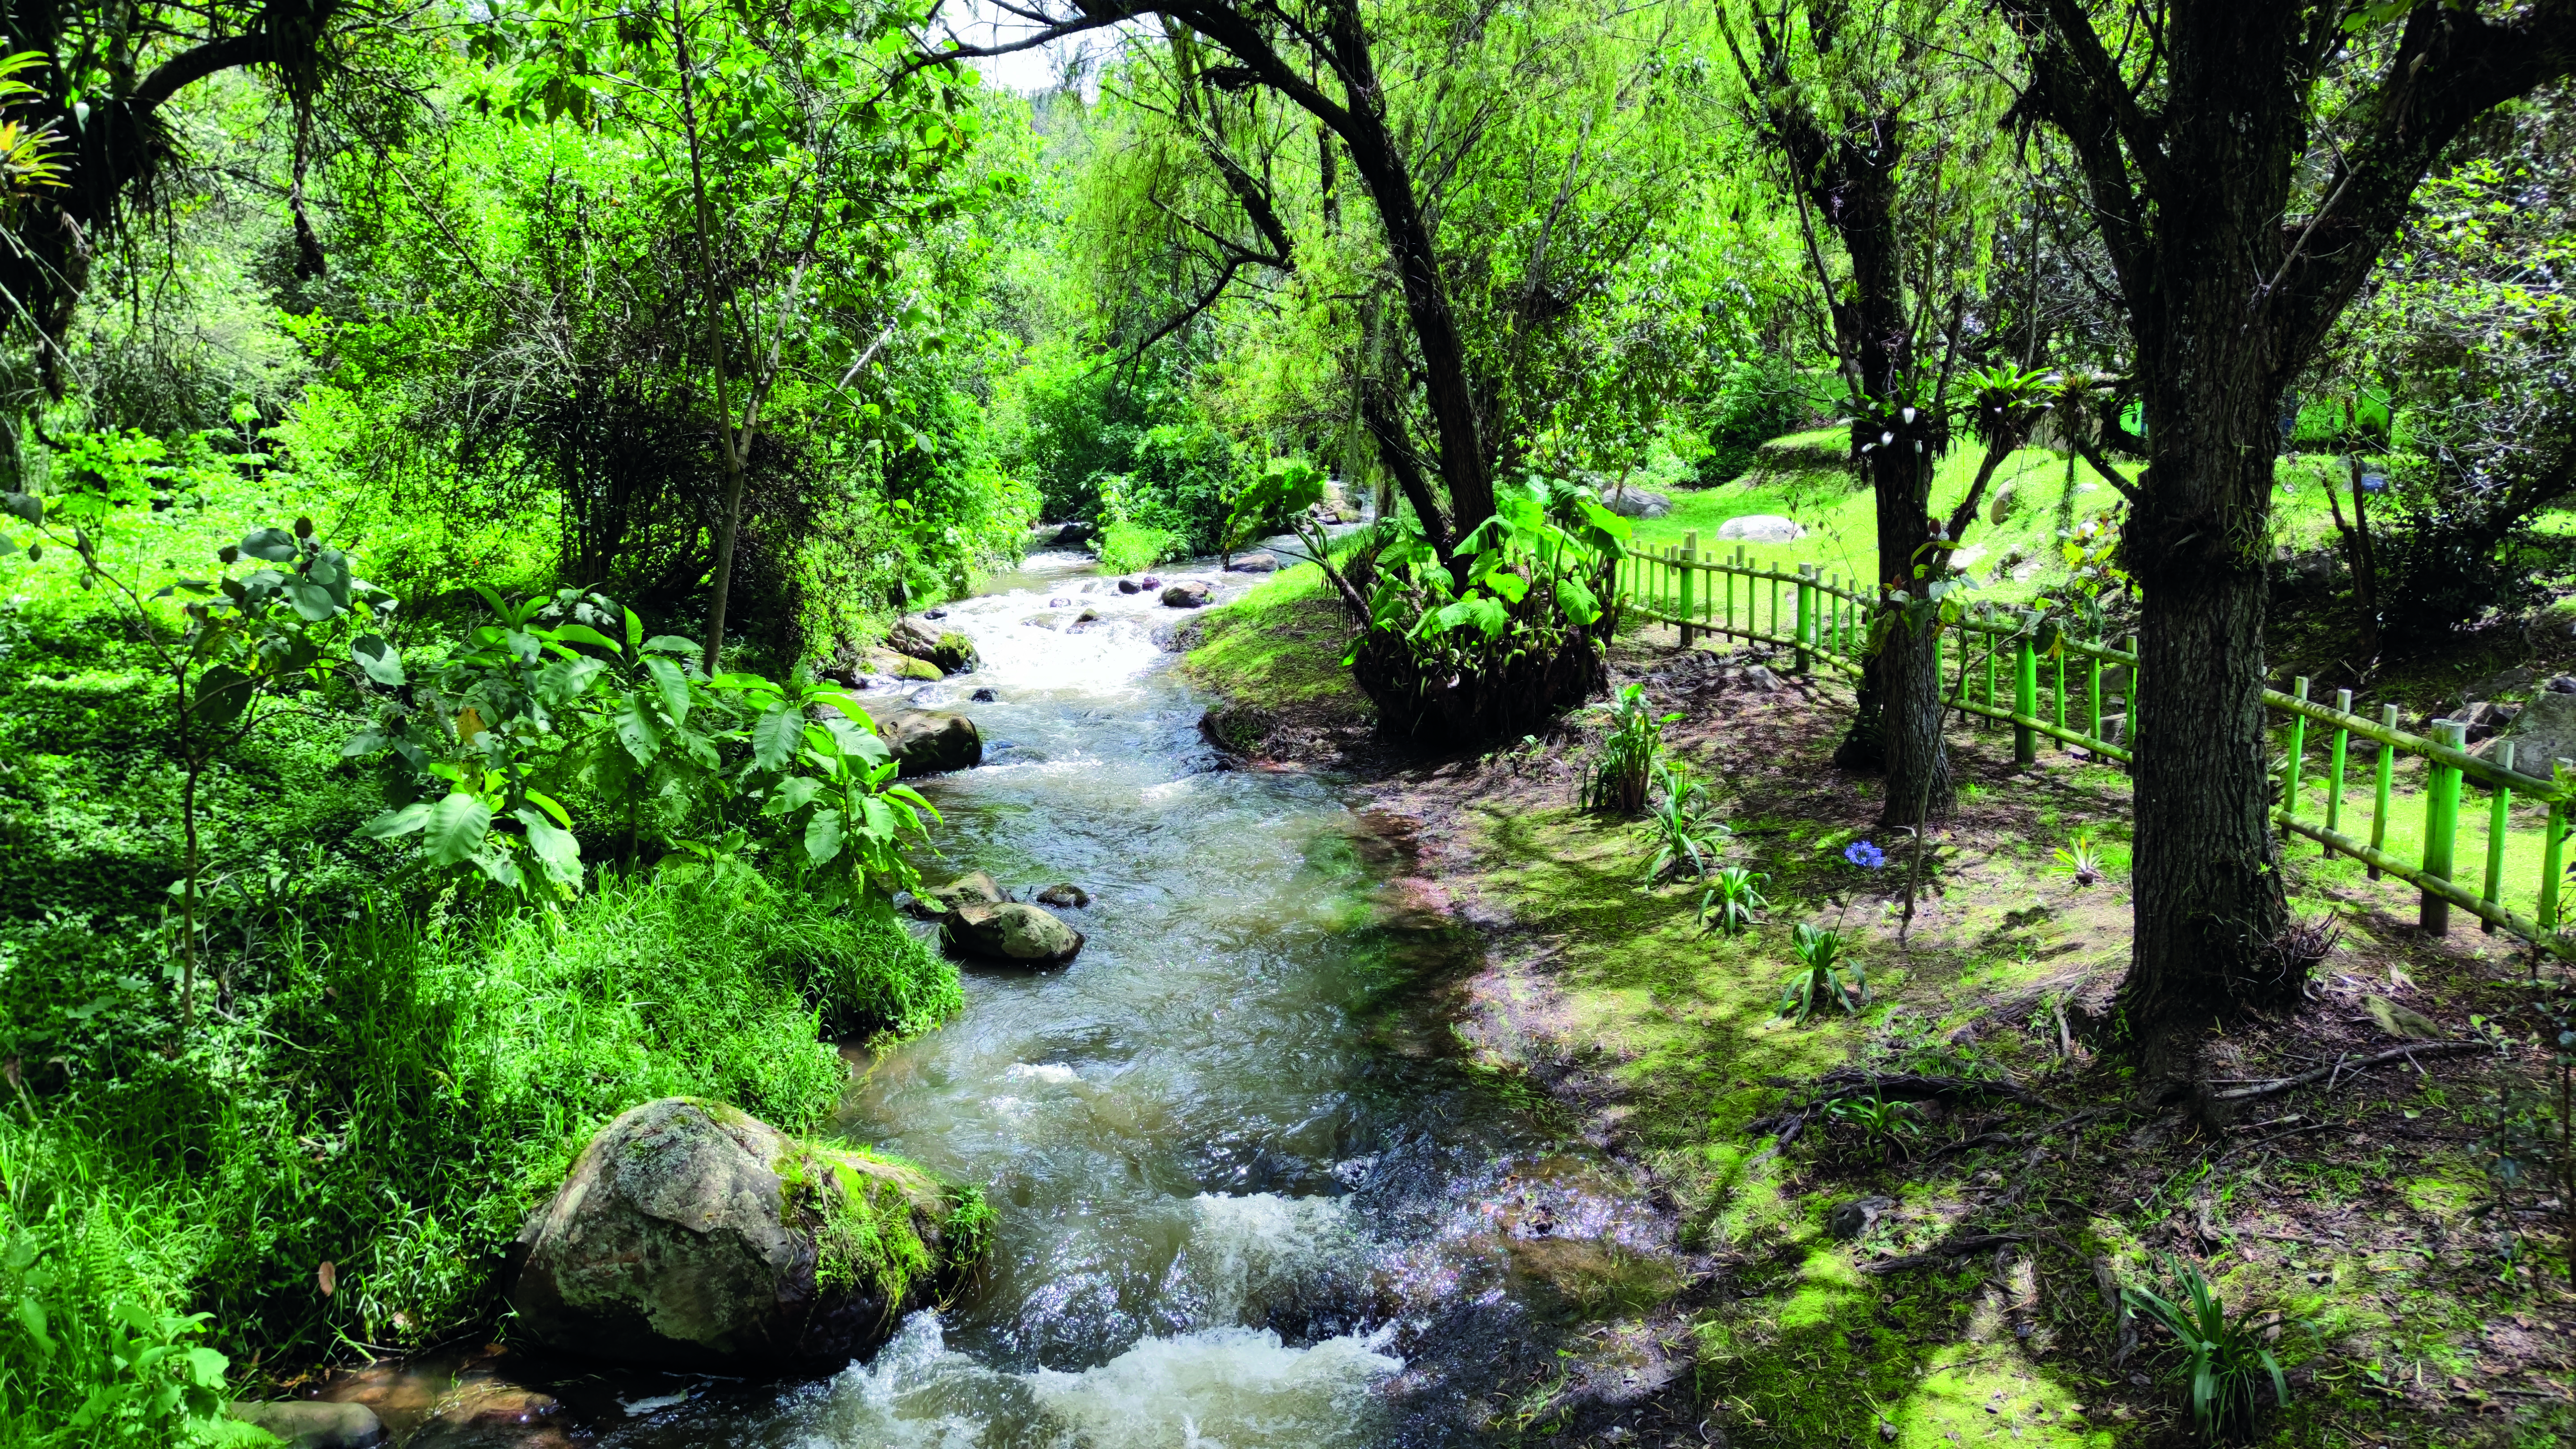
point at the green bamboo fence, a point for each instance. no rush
(2082, 695)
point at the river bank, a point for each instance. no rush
(1926, 1262)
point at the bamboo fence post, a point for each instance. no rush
(1992, 645)
(2552, 849)
(2025, 697)
(2058, 693)
(1805, 624)
(2334, 763)
(1690, 556)
(2382, 779)
(1775, 607)
(2441, 828)
(2297, 756)
(2093, 696)
(2499, 820)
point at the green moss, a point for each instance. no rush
(1279, 645)
(881, 1222)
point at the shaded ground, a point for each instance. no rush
(2414, 1304)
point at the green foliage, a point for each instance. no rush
(1622, 771)
(1127, 547)
(2225, 1360)
(403, 1090)
(1760, 398)
(1684, 835)
(1880, 1125)
(1822, 968)
(2079, 860)
(1124, 446)
(1733, 901)
(546, 695)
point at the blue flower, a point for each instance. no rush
(1865, 855)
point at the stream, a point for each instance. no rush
(1247, 1193)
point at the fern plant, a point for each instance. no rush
(1733, 898)
(2225, 1358)
(1821, 972)
(1625, 768)
(1685, 836)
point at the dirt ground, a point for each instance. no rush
(1936, 1258)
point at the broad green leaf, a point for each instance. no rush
(223, 692)
(552, 807)
(378, 659)
(635, 730)
(275, 545)
(554, 847)
(823, 836)
(397, 822)
(774, 736)
(793, 794)
(1510, 587)
(584, 634)
(456, 828)
(1575, 600)
(672, 644)
(674, 687)
(634, 630)
(565, 680)
(1485, 614)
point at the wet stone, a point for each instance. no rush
(313, 1424)
(1187, 594)
(1064, 895)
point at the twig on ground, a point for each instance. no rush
(2404, 1053)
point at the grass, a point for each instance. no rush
(1279, 646)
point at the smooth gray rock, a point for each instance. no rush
(1187, 594)
(1253, 563)
(974, 888)
(313, 1424)
(1020, 934)
(1065, 895)
(1637, 503)
(692, 1235)
(2006, 501)
(1760, 528)
(1072, 535)
(1130, 586)
(1850, 1219)
(931, 742)
(2544, 731)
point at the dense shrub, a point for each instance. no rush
(1761, 398)
(1123, 446)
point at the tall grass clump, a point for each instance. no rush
(406, 1090)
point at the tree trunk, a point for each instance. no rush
(2208, 897)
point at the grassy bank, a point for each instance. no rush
(388, 1066)
(2370, 1228)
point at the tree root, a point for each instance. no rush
(2342, 1067)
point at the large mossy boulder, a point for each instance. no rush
(931, 742)
(945, 650)
(691, 1235)
(896, 666)
(1022, 935)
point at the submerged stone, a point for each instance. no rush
(692, 1235)
(314, 1424)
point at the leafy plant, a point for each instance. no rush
(1684, 834)
(1621, 773)
(231, 646)
(1733, 897)
(2079, 860)
(2225, 1358)
(1821, 971)
(1876, 1121)
(545, 696)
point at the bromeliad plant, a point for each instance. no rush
(2225, 1359)
(2079, 860)
(1685, 837)
(1732, 900)
(1822, 967)
(1619, 776)
(477, 759)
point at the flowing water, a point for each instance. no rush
(1246, 1198)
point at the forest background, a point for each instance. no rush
(360, 356)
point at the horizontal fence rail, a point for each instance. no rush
(2083, 695)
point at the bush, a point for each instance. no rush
(1127, 547)
(409, 1088)
(1761, 398)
